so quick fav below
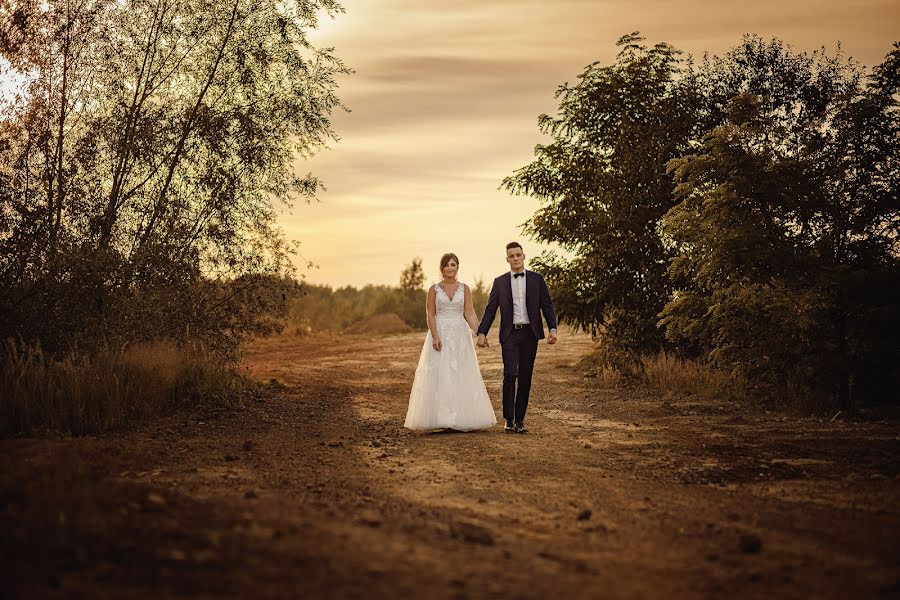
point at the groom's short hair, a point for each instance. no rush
(514, 245)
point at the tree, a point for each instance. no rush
(146, 160)
(785, 230)
(480, 295)
(750, 202)
(603, 186)
(412, 277)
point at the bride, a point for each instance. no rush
(448, 391)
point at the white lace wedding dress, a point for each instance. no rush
(448, 391)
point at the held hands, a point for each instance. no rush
(436, 343)
(482, 341)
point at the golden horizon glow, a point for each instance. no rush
(445, 102)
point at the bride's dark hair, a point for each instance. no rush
(445, 260)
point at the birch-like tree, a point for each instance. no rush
(146, 158)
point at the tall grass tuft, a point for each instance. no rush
(662, 373)
(81, 395)
(666, 373)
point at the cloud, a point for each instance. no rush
(444, 105)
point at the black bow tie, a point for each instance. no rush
(522, 274)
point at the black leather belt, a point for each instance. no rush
(520, 325)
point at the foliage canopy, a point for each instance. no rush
(744, 210)
(144, 160)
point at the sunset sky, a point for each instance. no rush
(445, 102)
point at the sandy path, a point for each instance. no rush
(319, 492)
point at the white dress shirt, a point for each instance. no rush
(520, 312)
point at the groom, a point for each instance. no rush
(522, 296)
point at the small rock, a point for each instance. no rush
(592, 405)
(376, 444)
(584, 515)
(230, 457)
(586, 445)
(335, 443)
(248, 445)
(156, 500)
(750, 544)
(383, 455)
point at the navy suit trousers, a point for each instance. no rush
(519, 352)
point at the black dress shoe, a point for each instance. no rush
(509, 427)
(520, 427)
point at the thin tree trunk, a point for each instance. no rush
(186, 130)
(60, 135)
(125, 142)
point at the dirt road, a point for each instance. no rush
(318, 492)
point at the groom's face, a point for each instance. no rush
(516, 259)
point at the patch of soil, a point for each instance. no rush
(382, 324)
(318, 491)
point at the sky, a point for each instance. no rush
(444, 104)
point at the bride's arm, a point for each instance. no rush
(430, 310)
(469, 308)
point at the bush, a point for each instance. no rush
(87, 394)
(663, 373)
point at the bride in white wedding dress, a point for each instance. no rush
(448, 391)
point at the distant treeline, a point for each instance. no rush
(321, 308)
(742, 210)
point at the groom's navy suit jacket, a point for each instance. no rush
(537, 301)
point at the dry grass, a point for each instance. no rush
(82, 395)
(609, 376)
(665, 373)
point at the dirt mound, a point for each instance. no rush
(383, 324)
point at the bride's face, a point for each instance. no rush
(450, 270)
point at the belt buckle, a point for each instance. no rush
(519, 325)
